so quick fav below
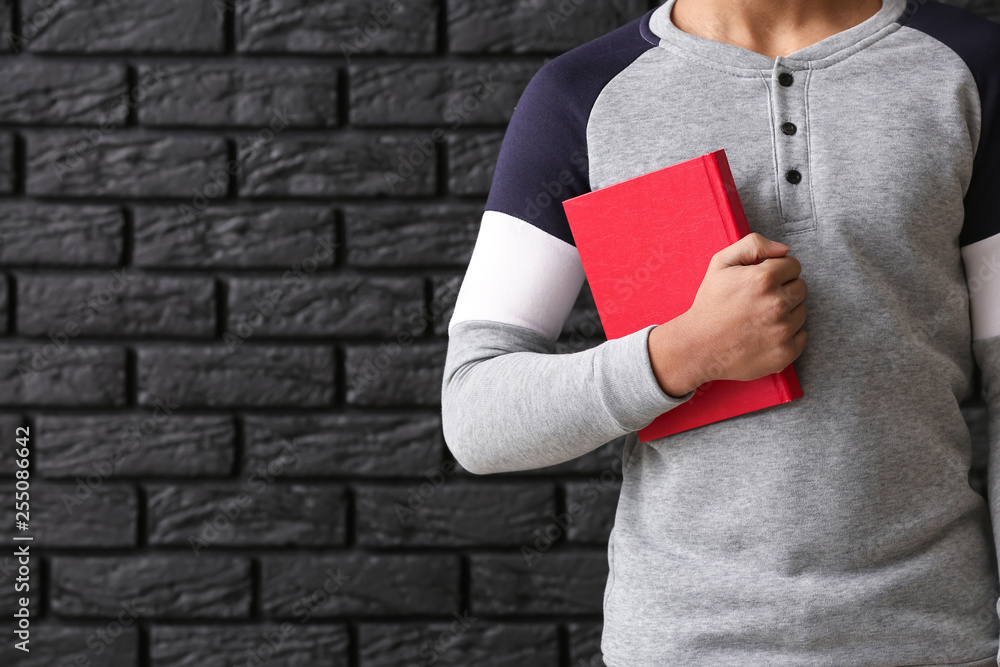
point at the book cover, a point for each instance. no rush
(645, 245)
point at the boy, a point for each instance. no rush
(840, 528)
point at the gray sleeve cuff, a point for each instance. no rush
(627, 385)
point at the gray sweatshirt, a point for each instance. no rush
(838, 529)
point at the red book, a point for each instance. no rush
(645, 245)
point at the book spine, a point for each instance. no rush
(726, 197)
(732, 194)
(781, 387)
(792, 385)
(787, 384)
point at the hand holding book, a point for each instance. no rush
(750, 310)
(673, 248)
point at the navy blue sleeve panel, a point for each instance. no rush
(543, 158)
(977, 41)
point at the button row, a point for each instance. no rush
(793, 176)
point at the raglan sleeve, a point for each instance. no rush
(980, 247)
(508, 401)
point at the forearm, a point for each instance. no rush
(510, 403)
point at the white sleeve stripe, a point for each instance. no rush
(982, 273)
(521, 275)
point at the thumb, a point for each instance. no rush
(750, 249)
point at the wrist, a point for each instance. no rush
(676, 358)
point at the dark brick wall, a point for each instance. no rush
(230, 235)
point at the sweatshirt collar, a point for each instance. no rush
(658, 28)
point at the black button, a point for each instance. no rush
(789, 128)
(785, 79)
(793, 176)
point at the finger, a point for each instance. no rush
(800, 339)
(782, 269)
(750, 249)
(794, 292)
(797, 317)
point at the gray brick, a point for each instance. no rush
(554, 583)
(7, 178)
(9, 598)
(107, 644)
(445, 289)
(437, 512)
(467, 640)
(591, 508)
(581, 331)
(246, 376)
(258, 512)
(119, 303)
(394, 374)
(122, 163)
(88, 513)
(103, 26)
(51, 374)
(583, 320)
(369, 584)
(7, 40)
(347, 164)
(38, 233)
(9, 425)
(228, 94)
(420, 235)
(471, 161)
(236, 237)
(4, 304)
(147, 444)
(585, 645)
(550, 26)
(68, 93)
(272, 644)
(570, 344)
(322, 305)
(449, 94)
(304, 26)
(162, 586)
(346, 444)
